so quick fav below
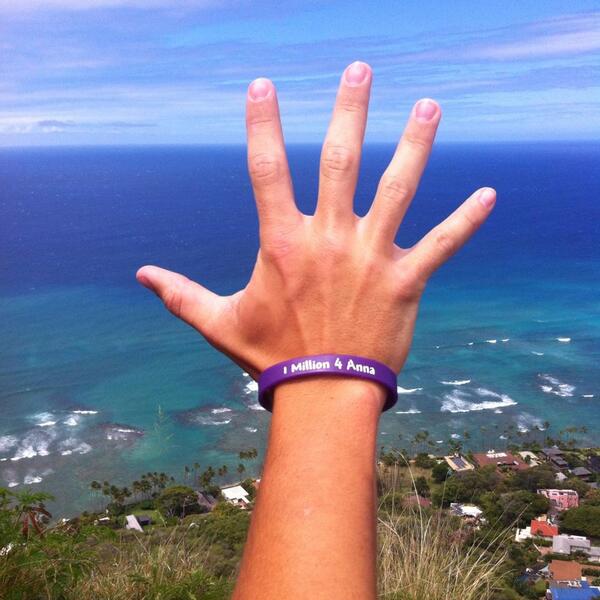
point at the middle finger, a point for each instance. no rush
(340, 158)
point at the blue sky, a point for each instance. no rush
(141, 71)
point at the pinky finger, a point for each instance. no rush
(450, 235)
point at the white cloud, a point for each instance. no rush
(558, 44)
(15, 6)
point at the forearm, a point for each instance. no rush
(313, 528)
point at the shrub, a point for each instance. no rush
(440, 472)
(424, 461)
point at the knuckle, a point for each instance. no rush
(265, 168)
(337, 161)
(417, 143)
(173, 299)
(351, 106)
(277, 247)
(395, 189)
(410, 283)
(445, 243)
(471, 222)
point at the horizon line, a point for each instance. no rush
(288, 144)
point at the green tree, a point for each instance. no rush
(440, 472)
(178, 501)
(534, 479)
(584, 520)
(423, 461)
(422, 486)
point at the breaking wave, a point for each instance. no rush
(402, 390)
(461, 401)
(554, 386)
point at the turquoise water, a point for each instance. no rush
(508, 335)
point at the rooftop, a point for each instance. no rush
(583, 592)
(580, 472)
(235, 493)
(565, 570)
(552, 451)
(458, 463)
(465, 510)
(500, 459)
(543, 528)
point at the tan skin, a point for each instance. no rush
(328, 282)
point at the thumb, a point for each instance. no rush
(191, 302)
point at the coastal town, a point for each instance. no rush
(563, 565)
(536, 507)
(567, 565)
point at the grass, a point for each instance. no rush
(423, 554)
(167, 567)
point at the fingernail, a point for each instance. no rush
(356, 73)
(487, 197)
(143, 280)
(425, 109)
(259, 89)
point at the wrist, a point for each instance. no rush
(329, 394)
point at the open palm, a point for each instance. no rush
(330, 282)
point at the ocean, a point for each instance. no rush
(99, 382)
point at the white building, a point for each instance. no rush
(567, 544)
(236, 494)
(469, 511)
(530, 458)
(132, 523)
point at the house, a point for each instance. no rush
(560, 476)
(541, 527)
(581, 473)
(468, 511)
(206, 501)
(523, 534)
(458, 463)
(555, 456)
(594, 463)
(530, 458)
(567, 544)
(501, 460)
(413, 499)
(131, 522)
(144, 520)
(561, 499)
(236, 495)
(559, 462)
(582, 591)
(547, 453)
(561, 571)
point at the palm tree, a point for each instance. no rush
(240, 469)
(30, 511)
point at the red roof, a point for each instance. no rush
(543, 528)
(565, 570)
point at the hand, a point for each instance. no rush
(330, 282)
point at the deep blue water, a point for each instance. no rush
(78, 334)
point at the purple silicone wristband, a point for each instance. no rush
(327, 364)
